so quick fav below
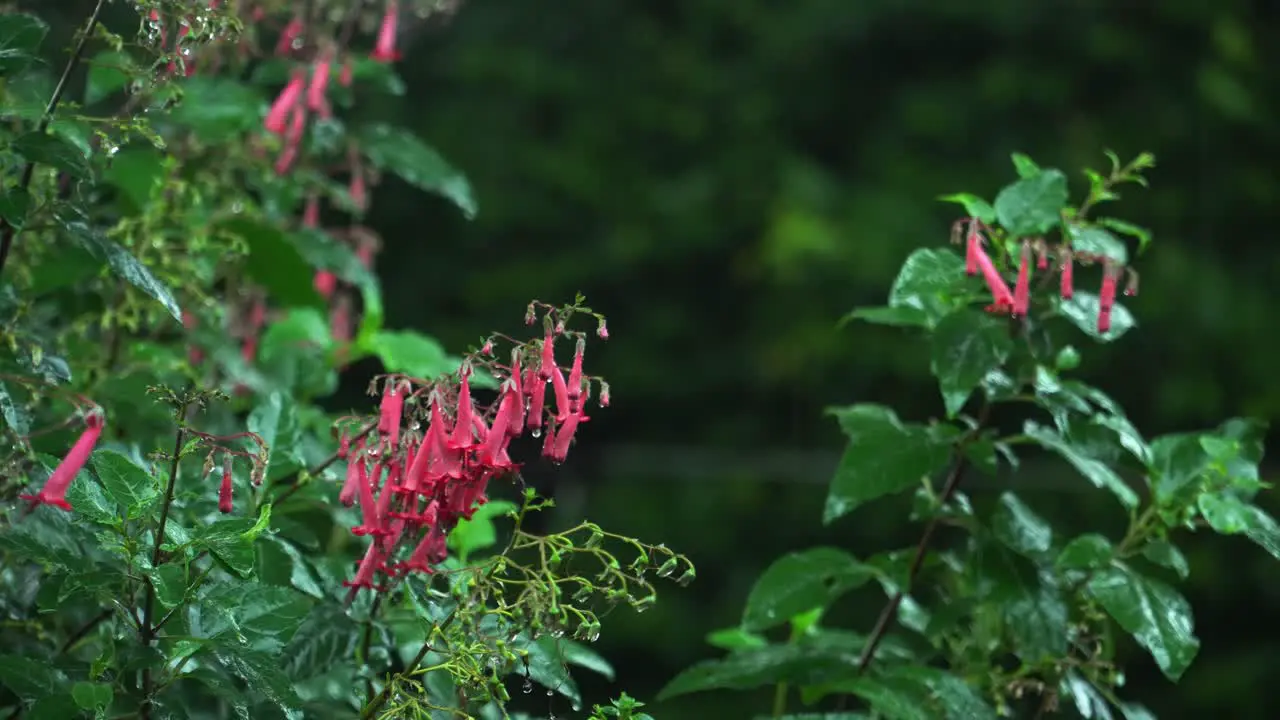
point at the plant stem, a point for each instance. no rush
(780, 699)
(959, 465)
(148, 630)
(7, 231)
(84, 630)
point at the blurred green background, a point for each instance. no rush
(726, 178)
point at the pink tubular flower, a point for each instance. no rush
(384, 50)
(311, 212)
(536, 387)
(325, 283)
(564, 436)
(224, 490)
(316, 100)
(291, 33)
(389, 413)
(1022, 288)
(54, 491)
(1001, 298)
(972, 246)
(1106, 298)
(281, 110)
(1065, 289)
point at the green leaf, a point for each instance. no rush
(1229, 515)
(51, 150)
(226, 540)
(1123, 227)
(29, 677)
(275, 263)
(579, 655)
(893, 316)
(1019, 528)
(1082, 311)
(326, 638)
(170, 582)
(479, 532)
(1032, 205)
(265, 616)
(1086, 552)
(218, 109)
(803, 664)
(399, 152)
(891, 698)
(109, 73)
(264, 421)
(974, 206)
(90, 501)
(884, 456)
(15, 205)
(261, 672)
(92, 696)
(1094, 470)
(957, 699)
(1038, 623)
(128, 485)
(411, 353)
(1178, 462)
(136, 172)
(14, 413)
(547, 667)
(1025, 166)
(966, 345)
(20, 38)
(120, 260)
(735, 638)
(1097, 241)
(799, 582)
(1068, 358)
(1167, 555)
(1153, 612)
(930, 281)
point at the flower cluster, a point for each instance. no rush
(1017, 302)
(414, 480)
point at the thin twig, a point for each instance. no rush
(148, 630)
(7, 231)
(295, 481)
(84, 630)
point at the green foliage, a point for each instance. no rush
(180, 287)
(1009, 618)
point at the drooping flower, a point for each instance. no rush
(224, 490)
(281, 110)
(1065, 289)
(317, 102)
(1001, 298)
(384, 50)
(290, 37)
(55, 488)
(1022, 288)
(1106, 298)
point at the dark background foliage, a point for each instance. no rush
(726, 178)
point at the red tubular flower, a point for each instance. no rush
(536, 388)
(311, 212)
(384, 50)
(548, 356)
(279, 115)
(1002, 299)
(224, 491)
(1106, 298)
(389, 414)
(462, 437)
(515, 386)
(368, 505)
(1065, 288)
(355, 466)
(316, 100)
(291, 33)
(564, 406)
(575, 378)
(1022, 288)
(497, 437)
(325, 283)
(54, 491)
(564, 436)
(972, 246)
(374, 560)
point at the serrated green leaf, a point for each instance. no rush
(326, 638)
(1082, 311)
(226, 540)
(88, 500)
(170, 582)
(931, 280)
(1037, 620)
(965, 346)
(1178, 462)
(261, 672)
(957, 699)
(136, 172)
(799, 582)
(1032, 205)
(264, 616)
(579, 655)
(30, 677)
(1097, 241)
(1230, 515)
(884, 456)
(1086, 552)
(547, 667)
(974, 206)
(129, 486)
(1127, 228)
(264, 421)
(398, 151)
(1020, 528)
(1095, 471)
(51, 150)
(20, 37)
(1154, 613)
(92, 696)
(14, 413)
(15, 205)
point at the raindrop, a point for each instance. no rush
(551, 693)
(237, 207)
(528, 686)
(577, 707)
(297, 43)
(537, 432)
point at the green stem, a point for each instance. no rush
(7, 231)
(296, 481)
(780, 699)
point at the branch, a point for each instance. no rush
(295, 481)
(7, 231)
